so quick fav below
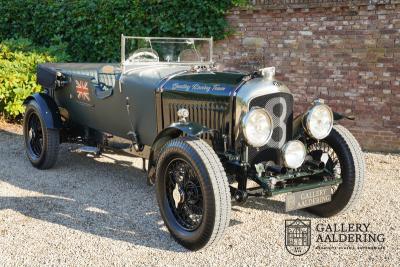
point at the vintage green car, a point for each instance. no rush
(205, 136)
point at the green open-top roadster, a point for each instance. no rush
(202, 133)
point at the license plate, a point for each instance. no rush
(308, 198)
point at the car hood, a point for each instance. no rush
(205, 82)
(181, 78)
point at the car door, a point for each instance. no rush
(95, 100)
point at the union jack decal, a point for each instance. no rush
(82, 90)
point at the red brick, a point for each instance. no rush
(348, 55)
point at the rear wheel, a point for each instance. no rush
(345, 160)
(192, 192)
(41, 143)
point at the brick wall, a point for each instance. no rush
(347, 54)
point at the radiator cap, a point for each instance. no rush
(268, 73)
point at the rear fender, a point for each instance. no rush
(48, 110)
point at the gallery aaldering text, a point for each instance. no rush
(347, 232)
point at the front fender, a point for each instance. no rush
(177, 129)
(173, 131)
(188, 128)
(48, 110)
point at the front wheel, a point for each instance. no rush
(192, 192)
(345, 160)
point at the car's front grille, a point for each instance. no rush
(280, 107)
(213, 115)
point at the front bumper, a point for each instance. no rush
(294, 182)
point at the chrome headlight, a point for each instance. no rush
(257, 127)
(318, 121)
(294, 153)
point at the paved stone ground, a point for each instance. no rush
(99, 211)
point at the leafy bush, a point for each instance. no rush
(92, 28)
(18, 61)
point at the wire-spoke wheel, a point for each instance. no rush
(41, 143)
(321, 151)
(184, 194)
(343, 159)
(35, 135)
(192, 192)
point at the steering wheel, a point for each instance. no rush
(144, 54)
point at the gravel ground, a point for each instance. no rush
(99, 211)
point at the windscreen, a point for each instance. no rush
(166, 50)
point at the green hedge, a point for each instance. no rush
(92, 28)
(18, 61)
(89, 30)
